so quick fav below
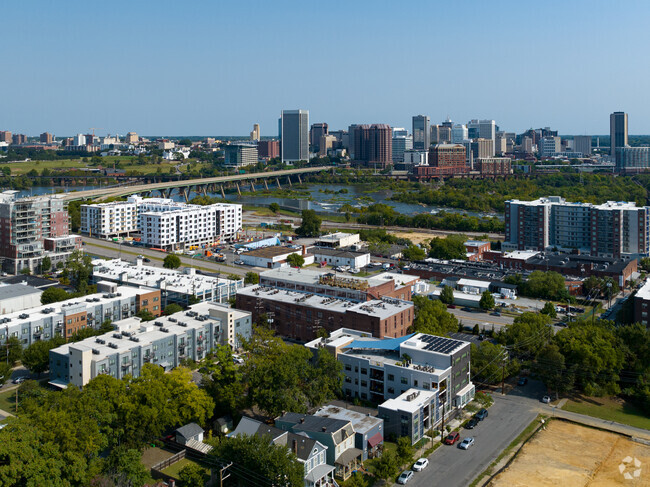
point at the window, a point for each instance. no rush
(404, 380)
(391, 390)
(364, 371)
(364, 383)
(391, 377)
(348, 367)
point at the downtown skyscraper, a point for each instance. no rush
(294, 134)
(421, 135)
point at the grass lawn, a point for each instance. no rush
(610, 409)
(128, 163)
(175, 468)
(8, 401)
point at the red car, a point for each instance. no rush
(452, 438)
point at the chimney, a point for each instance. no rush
(304, 250)
(295, 446)
(302, 420)
(324, 429)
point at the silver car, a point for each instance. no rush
(466, 443)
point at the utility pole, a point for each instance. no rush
(503, 374)
(221, 476)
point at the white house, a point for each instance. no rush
(171, 155)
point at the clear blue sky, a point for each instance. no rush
(215, 68)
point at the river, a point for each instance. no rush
(323, 198)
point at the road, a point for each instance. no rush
(485, 320)
(508, 417)
(111, 250)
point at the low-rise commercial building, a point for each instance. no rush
(273, 256)
(301, 315)
(240, 155)
(17, 297)
(165, 342)
(176, 286)
(338, 240)
(335, 257)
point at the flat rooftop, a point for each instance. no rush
(335, 237)
(382, 308)
(184, 281)
(9, 291)
(313, 276)
(361, 422)
(644, 291)
(271, 251)
(410, 401)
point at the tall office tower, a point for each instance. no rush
(18, 139)
(434, 132)
(255, 134)
(132, 138)
(5, 137)
(421, 135)
(46, 138)
(617, 131)
(458, 133)
(549, 146)
(483, 148)
(380, 145)
(527, 145)
(500, 144)
(482, 129)
(401, 143)
(444, 134)
(582, 143)
(317, 131)
(294, 145)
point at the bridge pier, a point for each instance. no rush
(289, 181)
(277, 180)
(204, 189)
(185, 192)
(223, 195)
(238, 190)
(252, 186)
(167, 193)
(299, 180)
(266, 186)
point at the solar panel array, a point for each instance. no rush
(440, 344)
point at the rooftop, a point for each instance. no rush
(349, 254)
(33, 281)
(382, 308)
(271, 251)
(185, 281)
(334, 237)
(644, 291)
(8, 291)
(361, 422)
(410, 401)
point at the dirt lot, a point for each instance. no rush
(419, 237)
(569, 455)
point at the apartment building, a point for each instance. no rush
(389, 370)
(642, 305)
(67, 317)
(493, 166)
(162, 222)
(165, 342)
(176, 286)
(25, 225)
(301, 315)
(613, 229)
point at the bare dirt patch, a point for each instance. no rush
(568, 455)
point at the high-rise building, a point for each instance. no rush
(549, 146)
(613, 229)
(46, 138)
(18, 139)
(582, 143)
(632, 159)
(326, 143)
(500, 144)
(448, 158)
(294, 127)
(27, 226)
(240, 155)
(483, 129)
(316, 131)
(268, 149)
(527, 145)
(434, 131)
(79, 140)
(617, 131)
(132, 138)
(458, 133)
(421, 135)
(255, 134)
(482, 148)
(444, 134)
(401, 143)
(372, 144)
(6, 137)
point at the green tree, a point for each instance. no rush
(447, 295)
(54, 294)
(80, 268)
(488, 360)
(46, 264)
(432, 317)
(549, 310)
(487, 301)
(387, 466)
(274, 207)
(192, 475)
(261, 459)
(172, 308)
(5, 373)
(11, 351)
(223, 381)
(251, 278)
(26, 271)
(310, 225)
(414, 253)
(451, 247)
(172, 261)
(551, 368)
(145, 315)
(295, 260)
(36, 357)
(528, 334)
(126, 467)
(546, 285)
(405, 450)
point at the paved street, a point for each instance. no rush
(484, 320)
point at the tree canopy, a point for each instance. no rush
(172, 261)
(310, 225)
(432, 317)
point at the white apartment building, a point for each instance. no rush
(162, 222)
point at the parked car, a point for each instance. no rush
(522, 381)
(451, 306)
(495, 313)
(482, 414)
(405, 477)
(472, 423)
(467, 308)
(546, 399)
(19, 380)
(421, 464)
(239, 262)
(452, 438)
(466, 443)
(146, 259)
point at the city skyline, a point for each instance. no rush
(215, 69)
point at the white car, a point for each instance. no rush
(405, 477)
(466, 443)
(421, 464)
(546, 399)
